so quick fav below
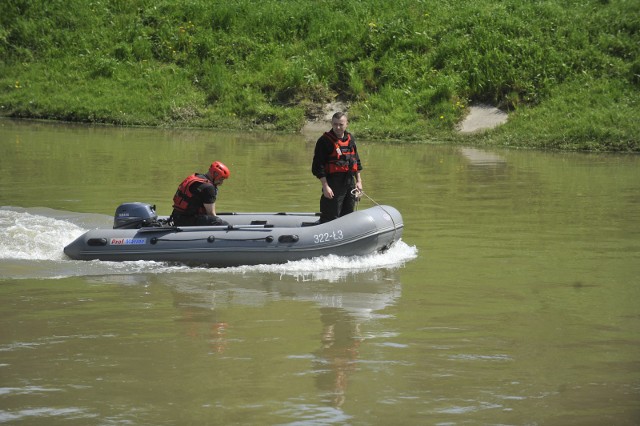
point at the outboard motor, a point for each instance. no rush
(134, 215)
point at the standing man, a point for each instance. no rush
(195, 201)
(337, 164)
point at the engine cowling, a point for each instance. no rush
(134, 215)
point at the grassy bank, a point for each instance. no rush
(567, 71)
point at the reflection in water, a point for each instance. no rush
(336, 358)
(483, 168)
(205, 325)
(344, 307)
(480, 158)
(362, 297)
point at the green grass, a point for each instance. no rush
(583, 114)
(567, 71)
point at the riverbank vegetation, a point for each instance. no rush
(567, 71)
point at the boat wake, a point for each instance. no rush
(32, 242)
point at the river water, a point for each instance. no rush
(513, 297)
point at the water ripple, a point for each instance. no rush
(42, 412)
(474, 357)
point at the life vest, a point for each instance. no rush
(183, 201)
(343, 155)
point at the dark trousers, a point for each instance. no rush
(342, 203)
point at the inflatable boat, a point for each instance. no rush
(248, 239)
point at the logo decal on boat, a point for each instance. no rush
(127, 241)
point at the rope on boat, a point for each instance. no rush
(357, 194)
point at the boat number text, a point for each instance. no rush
(328, 236)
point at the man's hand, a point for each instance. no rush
(327, 191)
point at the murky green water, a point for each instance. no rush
(513, 298)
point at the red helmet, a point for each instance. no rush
(219, 171)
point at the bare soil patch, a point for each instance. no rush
(322, 121)
(482, 117)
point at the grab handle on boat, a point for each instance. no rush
(97, 242)
(288, 239)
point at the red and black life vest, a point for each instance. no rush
(343, 155)
(184, 201)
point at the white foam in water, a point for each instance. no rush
(336, 267)
(28, 237)
(34, 237)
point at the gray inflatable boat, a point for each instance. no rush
(249, 239)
